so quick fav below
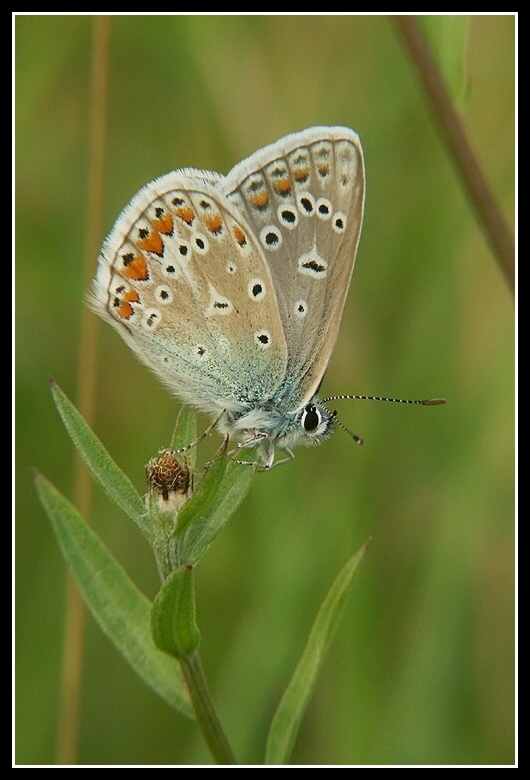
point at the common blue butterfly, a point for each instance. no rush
(231, 288)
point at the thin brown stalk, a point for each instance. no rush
(452, 131)
(68, 725)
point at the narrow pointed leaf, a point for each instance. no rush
(104, 470)
(219, 494)
(121, 610)
(288, 716)
(185, 433)
(204, 495)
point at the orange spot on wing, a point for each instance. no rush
(186, 214)
(214, 223)
(323, 169)
(136, 269)
(152, 243)
(260, 199)
(282, 186)
(301, 174)
(125, 310)
(239, 235)
(164, 224)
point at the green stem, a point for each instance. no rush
(205, 711)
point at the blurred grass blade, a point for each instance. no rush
(104, 470)
(121, 610)
(222, 489)
(286, 722)
(448, 39)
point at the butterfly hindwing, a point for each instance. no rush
(185, 282)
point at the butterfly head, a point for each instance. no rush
(267, 427)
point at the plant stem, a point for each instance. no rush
(495, 227)
(67, 748)
(205, 711)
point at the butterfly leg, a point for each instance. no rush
(203, 435)
(268, 456)
(254, 438)
(288, 459)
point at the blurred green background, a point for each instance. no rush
(421, 670)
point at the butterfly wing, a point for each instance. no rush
(184, 281)
(303, 197)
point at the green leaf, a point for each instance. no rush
(121, 610)
(204, 495)
(288, 716)
(185, 433)
(221, 490)
(173, 620)
(104, 470)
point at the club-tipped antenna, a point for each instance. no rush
(358, 439)
(424, 402)
(333, 416)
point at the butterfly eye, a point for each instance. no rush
(311, 418)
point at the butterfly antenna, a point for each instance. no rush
(425, 402)
(333, 416)
(357, 439)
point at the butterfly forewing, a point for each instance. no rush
(303, 198)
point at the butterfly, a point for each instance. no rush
(231, 288)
